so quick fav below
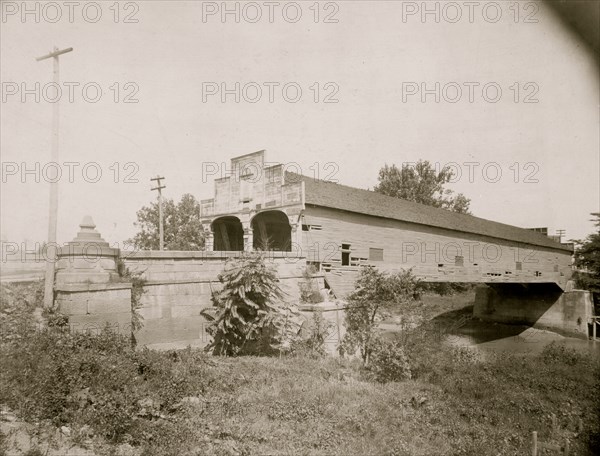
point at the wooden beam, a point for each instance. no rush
(262, 233)
(224, 235)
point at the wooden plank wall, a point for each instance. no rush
(429, 250)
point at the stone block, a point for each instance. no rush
(90, 276)
(72, 306)
(172, 330)
(151, 313)
(108, 264)
(102, 305)
(85, 263)
(185, 300)
(118, 322)
(184, 311)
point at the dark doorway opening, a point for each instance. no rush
(272, 231)
(228, 234)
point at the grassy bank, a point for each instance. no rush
(115, 400)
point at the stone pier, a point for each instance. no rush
(88, 288)
(543, 306)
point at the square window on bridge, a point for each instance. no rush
(375, 254)
(311, 227)
(519, 266)
(459, 261)
(345, 254)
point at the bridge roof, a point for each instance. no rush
(337, 196)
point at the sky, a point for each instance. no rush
(502, 91)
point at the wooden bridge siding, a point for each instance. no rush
(364, 232)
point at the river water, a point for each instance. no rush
(490, 338)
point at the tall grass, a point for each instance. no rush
(187, 403)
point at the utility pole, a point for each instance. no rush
(53, 211)
(159, 187)
(560, 234)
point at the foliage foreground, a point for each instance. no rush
(189, 403)
(248, 317)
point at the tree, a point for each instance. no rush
(375, 293)
(181, 223)
(248, 316)
(422, 184)
(587, 260)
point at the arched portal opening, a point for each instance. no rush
(272, 231)
(228, 234)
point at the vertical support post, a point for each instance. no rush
(337, 322)
(224, 236)
(534, 443)
(51, 246)
(161, 233)
(296, 236)
(248, 239)
(594, 323)
(161, 241)
(554, 426)
(566, 453)
(53, 202)
(209, 241)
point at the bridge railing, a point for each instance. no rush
(594, 321)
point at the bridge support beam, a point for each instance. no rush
(541, 305)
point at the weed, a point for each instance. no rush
(313, 342)
(388, 362)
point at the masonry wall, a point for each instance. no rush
(430, 251)
(91, 307)
(88, 288)
(568, 312)
(179, 285)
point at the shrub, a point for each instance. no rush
(389, 362)
(309, 291)
(55, 319)
(313, 344)
(17, 304)
(96, 380)
(444, 288)
(587, 259)
(429, 359)
(464, 355)
(559, 354)
(4, 444)
(375, 293)
(248, 318)
(137, 290)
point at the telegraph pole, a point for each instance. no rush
(53, 212)
(159, 187)
(560, 234)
